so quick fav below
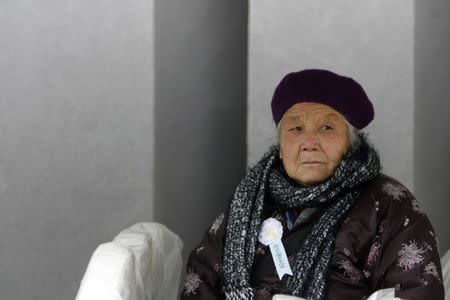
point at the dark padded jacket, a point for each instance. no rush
(386, 241)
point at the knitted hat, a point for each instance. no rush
(341, 93)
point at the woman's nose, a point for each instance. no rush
(309, 143)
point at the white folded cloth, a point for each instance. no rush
(143, 262)
(384, 294)
(109, 275)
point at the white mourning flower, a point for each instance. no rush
(271, 230)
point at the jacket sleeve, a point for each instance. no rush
(407, 252)
(203, 279)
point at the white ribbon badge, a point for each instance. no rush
(270, 235)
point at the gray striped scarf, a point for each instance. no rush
(337, 194)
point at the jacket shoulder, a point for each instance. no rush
(388, 193)
(381, 201)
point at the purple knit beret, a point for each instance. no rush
(313, 85)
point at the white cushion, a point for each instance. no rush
(109, 275)
(143, 262)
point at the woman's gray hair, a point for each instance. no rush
(355, 140)
(353, 136)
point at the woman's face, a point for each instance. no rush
(313, 140)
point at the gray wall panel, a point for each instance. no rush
(76, 120)
(432, 111)
(200, 111)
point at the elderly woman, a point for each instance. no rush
(314, 217)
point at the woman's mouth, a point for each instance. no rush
(312, 162)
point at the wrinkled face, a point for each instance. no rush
(313, 140)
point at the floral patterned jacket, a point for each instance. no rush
(386, 241)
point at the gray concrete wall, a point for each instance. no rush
(76, 136)
(371, 41)
(432, 111)
(200, 111)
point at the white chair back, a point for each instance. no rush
(143, 262)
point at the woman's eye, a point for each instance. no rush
(327, 127)
(297, 128)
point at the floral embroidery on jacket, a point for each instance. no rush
(373, 253)
(394, 190)
(428, 246)
(431, 269)
(381, 227)
(350, 271)
(346, 252)
(216, 225)
(416, 206)
(191, 283)
(198, 250)
(410, 255)
(217, 268)
(260, 249)
(406, 222)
